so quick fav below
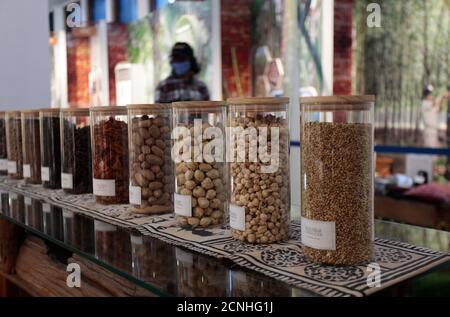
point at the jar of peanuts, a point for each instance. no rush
(151, 168)
(199, 158)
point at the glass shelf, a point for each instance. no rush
(167, 270)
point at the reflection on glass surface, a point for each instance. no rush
(154, 262)
(163, 268)
(16, 207)
(247, 282)
(69, 227)
(200, 275)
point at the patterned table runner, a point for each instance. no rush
(286, 262)
(120, 215)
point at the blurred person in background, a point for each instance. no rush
(430, 109)
(182, 85)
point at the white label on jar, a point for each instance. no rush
(320, 235)
(46, 208)
(13, 196)
(104, 187)
(184, 257)
(183, 205)
(27, 170)
(3, 165)
(12, 167)
(237, 217)
(135, 195)
(27, 201)
(45, 174)
(66, 181)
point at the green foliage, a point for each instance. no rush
(394, 62)
(140, 42)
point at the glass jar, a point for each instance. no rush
(76, 166)
(258, 144)
(3, 147)
(105, 238)
(337, 179)
(200, 169)
(151, 168)
(245, 282)
(201, 276)
(154, 261)
(28, 211)
(4, 202)
(37, 215)
(85, 241)
(122, 250)
(109, 141)
(50, 148)
(14, 144)
(31, 147)
(16, 207)
(69, 227)
(47, 218)
(57, 229)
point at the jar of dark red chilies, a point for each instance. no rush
(50, 148)
(76, 173)
(109, 139)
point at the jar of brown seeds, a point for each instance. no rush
(337, 179)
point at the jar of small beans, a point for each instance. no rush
(259, 169)
(337, 179)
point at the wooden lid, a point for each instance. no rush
(110, 109)
(36, 111)
(338, 103)
(13, 112)
(198, 104)
(75, 110)
(258, 101)
(48, 110)
(258, 104)
(155, 106)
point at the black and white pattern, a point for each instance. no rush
(337, 274)
(389, 255)
(120, 215)
(283, 257)
(238, 247)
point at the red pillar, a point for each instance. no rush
(78, 67)
(342, 77)
(236, 32)
(117, 52)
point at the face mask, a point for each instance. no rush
(181, 68)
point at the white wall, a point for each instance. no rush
(24, 54)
